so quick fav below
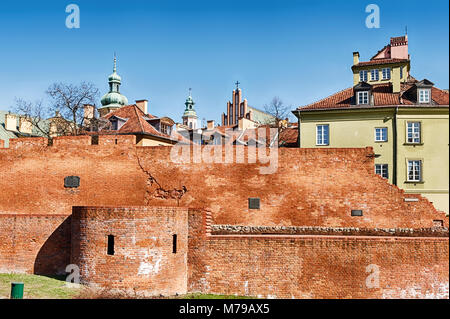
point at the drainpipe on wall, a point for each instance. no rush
(394, 144)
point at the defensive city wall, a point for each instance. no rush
(325, 226)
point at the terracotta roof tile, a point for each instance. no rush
(135, 121)
(382, 96)
(380, 61)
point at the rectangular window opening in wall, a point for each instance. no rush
(94, 140)
(363, 76)
(174, 243)
(322, 134)
(414, 173)
(374, 75)
(413, 132)
(110, 250)
(382, 170)
(386, 73)
(363, 97)
(357, 212)
(424, 96)
(381, 134)
(253, 203)
(115, 141)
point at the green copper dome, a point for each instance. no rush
(189, 111)
(114, 99)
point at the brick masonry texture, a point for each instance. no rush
(138, 195)
(143, 259)
(37, 244)
(311, 187)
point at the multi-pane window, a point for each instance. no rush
(414, 171)
(381, 134)
(363, 97)
(413, 132)
(382, 170)
(363, 76)
(374, 75)
(322, 136)
(401, 73)
(424, 96)
(386, 73)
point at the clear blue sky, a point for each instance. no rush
(300, 51)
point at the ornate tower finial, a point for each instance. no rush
(115, 62)
(190, 91)
(237, 85)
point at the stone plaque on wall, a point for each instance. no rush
(71, 182)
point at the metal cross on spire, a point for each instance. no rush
(115, 61)
(237, 85)
(190, 90)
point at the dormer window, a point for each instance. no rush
(363, 97)
(424, 95)
(363, 76)
(362, 93)
(424, 91)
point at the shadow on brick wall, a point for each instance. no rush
(54, 255)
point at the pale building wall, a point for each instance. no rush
(351, 129)
(356, 129)
(151, 142)
(433, 151)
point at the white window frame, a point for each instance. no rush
(382, 170)
(413, 132)
(386, 73)
(379, 137)
(359, 94)
(414, 168)
(320, 138)
(426, 97)
(363, 74)
(377, 77)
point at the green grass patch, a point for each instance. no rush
(37, 287)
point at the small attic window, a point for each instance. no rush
(363, 97)
(424, 95)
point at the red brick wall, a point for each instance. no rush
(312, 187)
(302, 266)
(2, 143)
(37, 244)
(321, 267)
(143, 260)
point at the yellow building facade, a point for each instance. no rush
(405, 121)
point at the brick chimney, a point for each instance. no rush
(11, 122)
(210, 125)
(399, 47)
(25, 125)
(142, 105)
(355, 58)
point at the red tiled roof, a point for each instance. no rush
(382, 96)
(135, 121)
(289, 136)
(380, 61)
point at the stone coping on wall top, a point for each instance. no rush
(241, 230)
(326, 237)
